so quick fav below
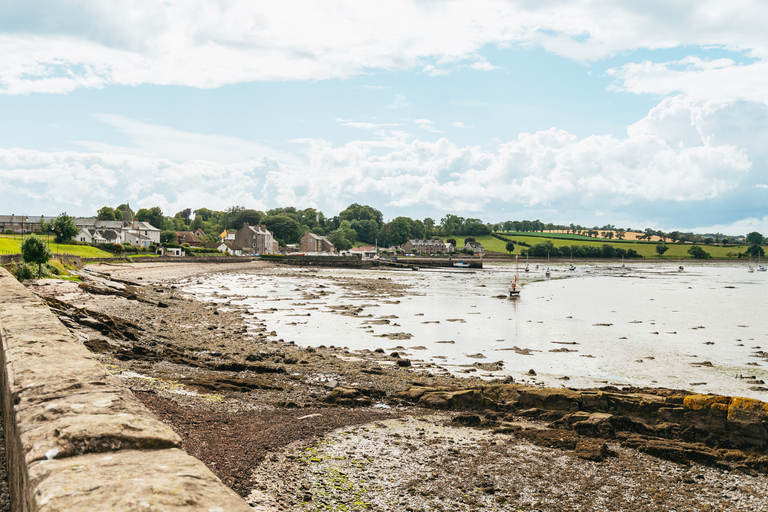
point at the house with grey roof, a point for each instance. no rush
(256, 240)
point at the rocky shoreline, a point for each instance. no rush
(371, 431)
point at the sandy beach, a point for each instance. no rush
(323, 428)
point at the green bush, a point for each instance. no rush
(23, 271)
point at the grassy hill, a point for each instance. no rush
(646, 249)
(10, 244)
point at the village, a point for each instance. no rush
(246, 241)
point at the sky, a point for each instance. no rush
(636, 114)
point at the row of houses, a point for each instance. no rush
(22, 224)
(128, 230)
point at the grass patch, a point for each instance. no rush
(10, 244)
(646, 249)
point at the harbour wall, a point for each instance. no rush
(76, 438)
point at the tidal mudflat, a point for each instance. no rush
(641, 325)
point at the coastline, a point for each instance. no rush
(252, 406)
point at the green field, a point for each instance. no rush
(646, 249)
(9, 244)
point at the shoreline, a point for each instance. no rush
(203, 372)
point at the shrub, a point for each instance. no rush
(23, 271)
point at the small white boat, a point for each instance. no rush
(461, 264)
(514, 288)
(526, 262)
(571, 267)
(760, 268)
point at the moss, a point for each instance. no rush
(700, 402)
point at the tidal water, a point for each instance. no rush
(704, 329)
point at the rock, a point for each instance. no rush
(467, 419)
(403, 363)
(591, 449)
(531, 372)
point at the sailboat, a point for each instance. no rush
(547, 274)
(526, 261)
(514, 286)
(760, 268)
(750, 268)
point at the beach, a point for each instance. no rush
(323, 426)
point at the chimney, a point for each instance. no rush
(245, 224)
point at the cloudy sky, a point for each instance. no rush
(638, 114)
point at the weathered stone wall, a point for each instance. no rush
(327, 261)
(77, 440)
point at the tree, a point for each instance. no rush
(153, 216)
(698, 253)
(510, 246)
(35, 250)
(237, 216)
(755, 251)
(361, 212)
(65, 228)
(106, 213)
(608, 235)
(620, 233)
(283, 227)
(402, 229)
(168, 237)
(203, 213)
(754, 238)
(661, 249)
(343, 238)
(469, 239)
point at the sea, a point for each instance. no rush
(703, 328)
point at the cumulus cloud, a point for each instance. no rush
(546, 169)
(207, 43)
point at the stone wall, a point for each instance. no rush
(76, 438)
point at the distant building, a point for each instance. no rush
(312, 243)
(228, 235)
(425, 246)
(256, 240)
(22, 223)
(475, 247)
(226, 247)
(367, 252)
(187, 237)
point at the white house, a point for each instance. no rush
(365, 252)
(231, 248)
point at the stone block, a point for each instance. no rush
(160, 480)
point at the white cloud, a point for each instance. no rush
(721, 80)
(673, 157)
(427, 125)
(362, 125)
(400, 102)
(459, 124)
(208, 43)
(162, 142)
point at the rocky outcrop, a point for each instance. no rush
(79, 440)
(677, 425)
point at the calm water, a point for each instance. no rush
(645, 325)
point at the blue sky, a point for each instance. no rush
(634, 114)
